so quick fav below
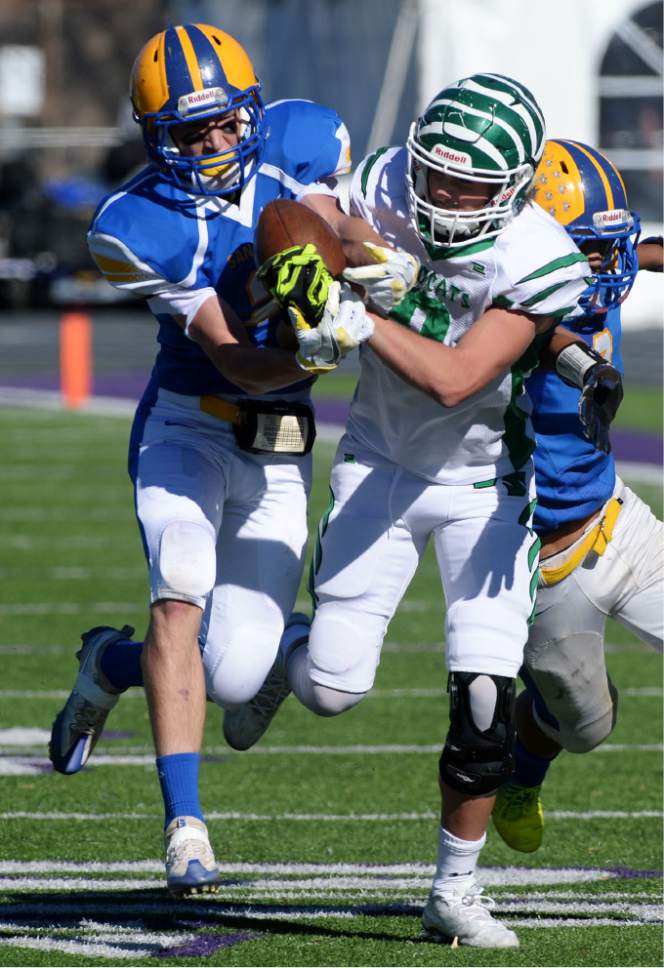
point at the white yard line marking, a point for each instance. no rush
(31, 764)
(68, 608)
(270, 876)
(635, 693)
(229, 815)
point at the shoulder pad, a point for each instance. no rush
(145, 234)
(306, 140)
(379, 180)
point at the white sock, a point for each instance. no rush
(457, 860)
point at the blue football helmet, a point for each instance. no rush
(585, 192)
(196, 72)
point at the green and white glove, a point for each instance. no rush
(343, 326)
(388, 280)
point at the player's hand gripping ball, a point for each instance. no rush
(299, 255)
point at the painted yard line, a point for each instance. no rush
(26, 763)
(87, 949)
(28, 542)
(68, 513)
(69, 608)
(228, 815)
(34, 649)
(274, 889)
(647, 913)
(144, 908)
(635, 693)
(37, 764)
(640, 473)
(391, 647)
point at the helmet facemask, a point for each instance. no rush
(452, 228)
(221, 173)
(615, 234)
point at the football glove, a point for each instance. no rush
(601, 390)
(343, 326)
(598, 404)
(389, 279)
(298, 277)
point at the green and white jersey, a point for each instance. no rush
(532, 266)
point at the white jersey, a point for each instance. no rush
(532, 266)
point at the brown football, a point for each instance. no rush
(285, 222)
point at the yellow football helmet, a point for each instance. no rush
(189, 73)
(585, 192)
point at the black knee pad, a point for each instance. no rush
(478, 756)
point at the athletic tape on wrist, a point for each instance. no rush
(573, 363)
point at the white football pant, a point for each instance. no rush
(225, 530)
(565, 651)
(370, 543)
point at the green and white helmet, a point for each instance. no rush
(484, 128)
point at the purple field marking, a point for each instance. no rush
(205, 944)
(628, 445)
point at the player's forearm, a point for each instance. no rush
(255, 370)
(442, 372)
(219, 333)
(560, 338)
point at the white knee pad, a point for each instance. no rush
(187, 560)
(321, 700)
(344, 648)
(331, 702)
(236, 667)
(585, 734)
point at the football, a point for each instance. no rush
(285, 222)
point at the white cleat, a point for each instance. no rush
(244, 725)
(190, 864)
(465, 919)
(80, 722)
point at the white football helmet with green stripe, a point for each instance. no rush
(485, 128)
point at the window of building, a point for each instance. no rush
(630, 121)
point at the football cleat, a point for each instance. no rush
(190, 864)
(518, 817)
(465, 919)
(245, 724)
(79, 723)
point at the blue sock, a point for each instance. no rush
(178, 776)
(529, 769)
(121, 664)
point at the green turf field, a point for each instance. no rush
(326, 832)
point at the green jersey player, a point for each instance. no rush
(438, 447)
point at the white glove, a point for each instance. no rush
(345, 324)
(389, 279)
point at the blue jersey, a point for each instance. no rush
(573, 478)
(151, 237)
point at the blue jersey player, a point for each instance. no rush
(602, 548)
(219, 451)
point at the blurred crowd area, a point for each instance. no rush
(67, 136)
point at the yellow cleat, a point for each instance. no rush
(518, 817)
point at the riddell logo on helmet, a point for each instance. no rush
(613, 217)
(212, 97)
(456, 157)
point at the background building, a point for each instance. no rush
(65, 126)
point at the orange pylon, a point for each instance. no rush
(75, 358)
